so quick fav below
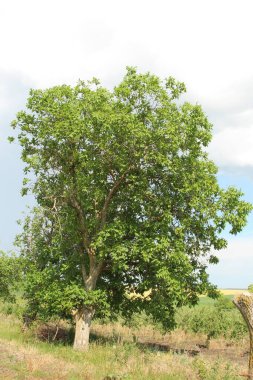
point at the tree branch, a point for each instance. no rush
(83, 228)
(76, 205)
(95, 271)
(83, 269)
(111, 193)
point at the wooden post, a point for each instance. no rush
(244, 302)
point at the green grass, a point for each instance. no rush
(52, 361)
(25, 357)
(210, 301)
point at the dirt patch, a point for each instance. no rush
(181, 343)
(51, 332)
(228, 353)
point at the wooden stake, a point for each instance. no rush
(244, 302)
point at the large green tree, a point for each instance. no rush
(128, 200)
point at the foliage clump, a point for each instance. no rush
(10, 275)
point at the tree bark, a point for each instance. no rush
(83, 319)
(244, 302)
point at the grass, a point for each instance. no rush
(119, 362)
(227, 293)
(117, 353)
(210, 301)
(24, 357)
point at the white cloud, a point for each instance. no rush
(232, 148)
(235, 266)
(204, 43)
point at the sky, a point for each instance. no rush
(206, 44)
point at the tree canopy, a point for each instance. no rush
(128, 200)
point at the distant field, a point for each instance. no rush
(232, 292)
(228, 293)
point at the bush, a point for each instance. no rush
(138, 320)
(219, 320)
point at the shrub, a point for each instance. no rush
(218, 320)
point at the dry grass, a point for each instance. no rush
(27, 362)
(115, 356)
(116, 362)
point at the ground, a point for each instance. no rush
(118, 352)
(114, 356)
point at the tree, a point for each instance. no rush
(10, 274)
(128, 200)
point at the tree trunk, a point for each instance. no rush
(244, 302)
(83, 319)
